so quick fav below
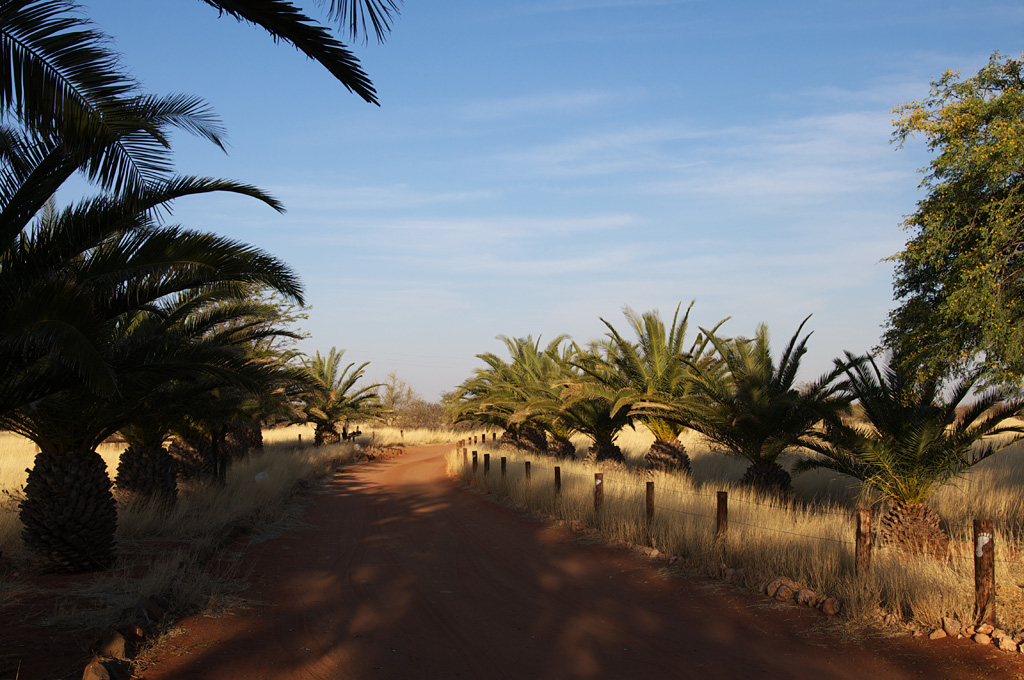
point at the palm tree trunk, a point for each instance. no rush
(602, 451)
(148, 471)
(768, 478)
(668, 455)
(69, 514)
(325, 434)
(914, 528)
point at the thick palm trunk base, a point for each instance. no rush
(768, 478)
(526, 438)
(914, 529)
(562, 448)
(193, 456)
(325, 434)
(148, 471)
(668, 456)
(69, 513)
(247, 437)
(599, 452)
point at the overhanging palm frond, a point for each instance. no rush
(284, 21)
(59, 71)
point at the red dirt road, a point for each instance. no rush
(402, 574)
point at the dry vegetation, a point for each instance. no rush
(809, 539)
(176, 553)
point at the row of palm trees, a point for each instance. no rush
(875, 423)
(113, 319)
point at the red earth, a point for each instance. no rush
(401, 573)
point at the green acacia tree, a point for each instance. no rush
(960, 278)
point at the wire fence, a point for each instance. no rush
(631, 490)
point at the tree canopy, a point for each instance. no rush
(959, 280)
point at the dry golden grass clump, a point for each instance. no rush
(809, 538)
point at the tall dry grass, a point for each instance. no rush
(810, 538)
(165, 550)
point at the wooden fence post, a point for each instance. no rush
(487, 463)
(504, 461)
(558, 480)
(527, 468)
(862, 554)
(465, 456)
(474, 462)
(650, 502)
(722, 516)
(984, 572)
(598, 490)
(300, 440)
(494, 437)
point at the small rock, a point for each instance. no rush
(1018, 638)
(95, 671)
(112, 646)
(937, 634)
(917, 633)
(806, 597)
(998, 634)
(772, 585)
(1007, 644)
(969, 631)
(674, 560)
(985, 629)
(982, 639)
(786, 591)
(578, 525)
(831, 607)
(951, 626)
(260, 476)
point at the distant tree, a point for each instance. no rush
(960, 278)
(395, 395)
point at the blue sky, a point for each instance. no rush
(535, 166)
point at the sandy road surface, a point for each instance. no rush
(401, 574)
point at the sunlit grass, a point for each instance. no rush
(809, 539)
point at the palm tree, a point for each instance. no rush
(92, 284)
(521, 396)
(210, 334)
(910, 442)
(749, 405)
(334, 399)
(594, 404)
(656, 367)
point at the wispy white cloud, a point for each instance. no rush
(640, 148)
(322, 197)
(539, 104)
